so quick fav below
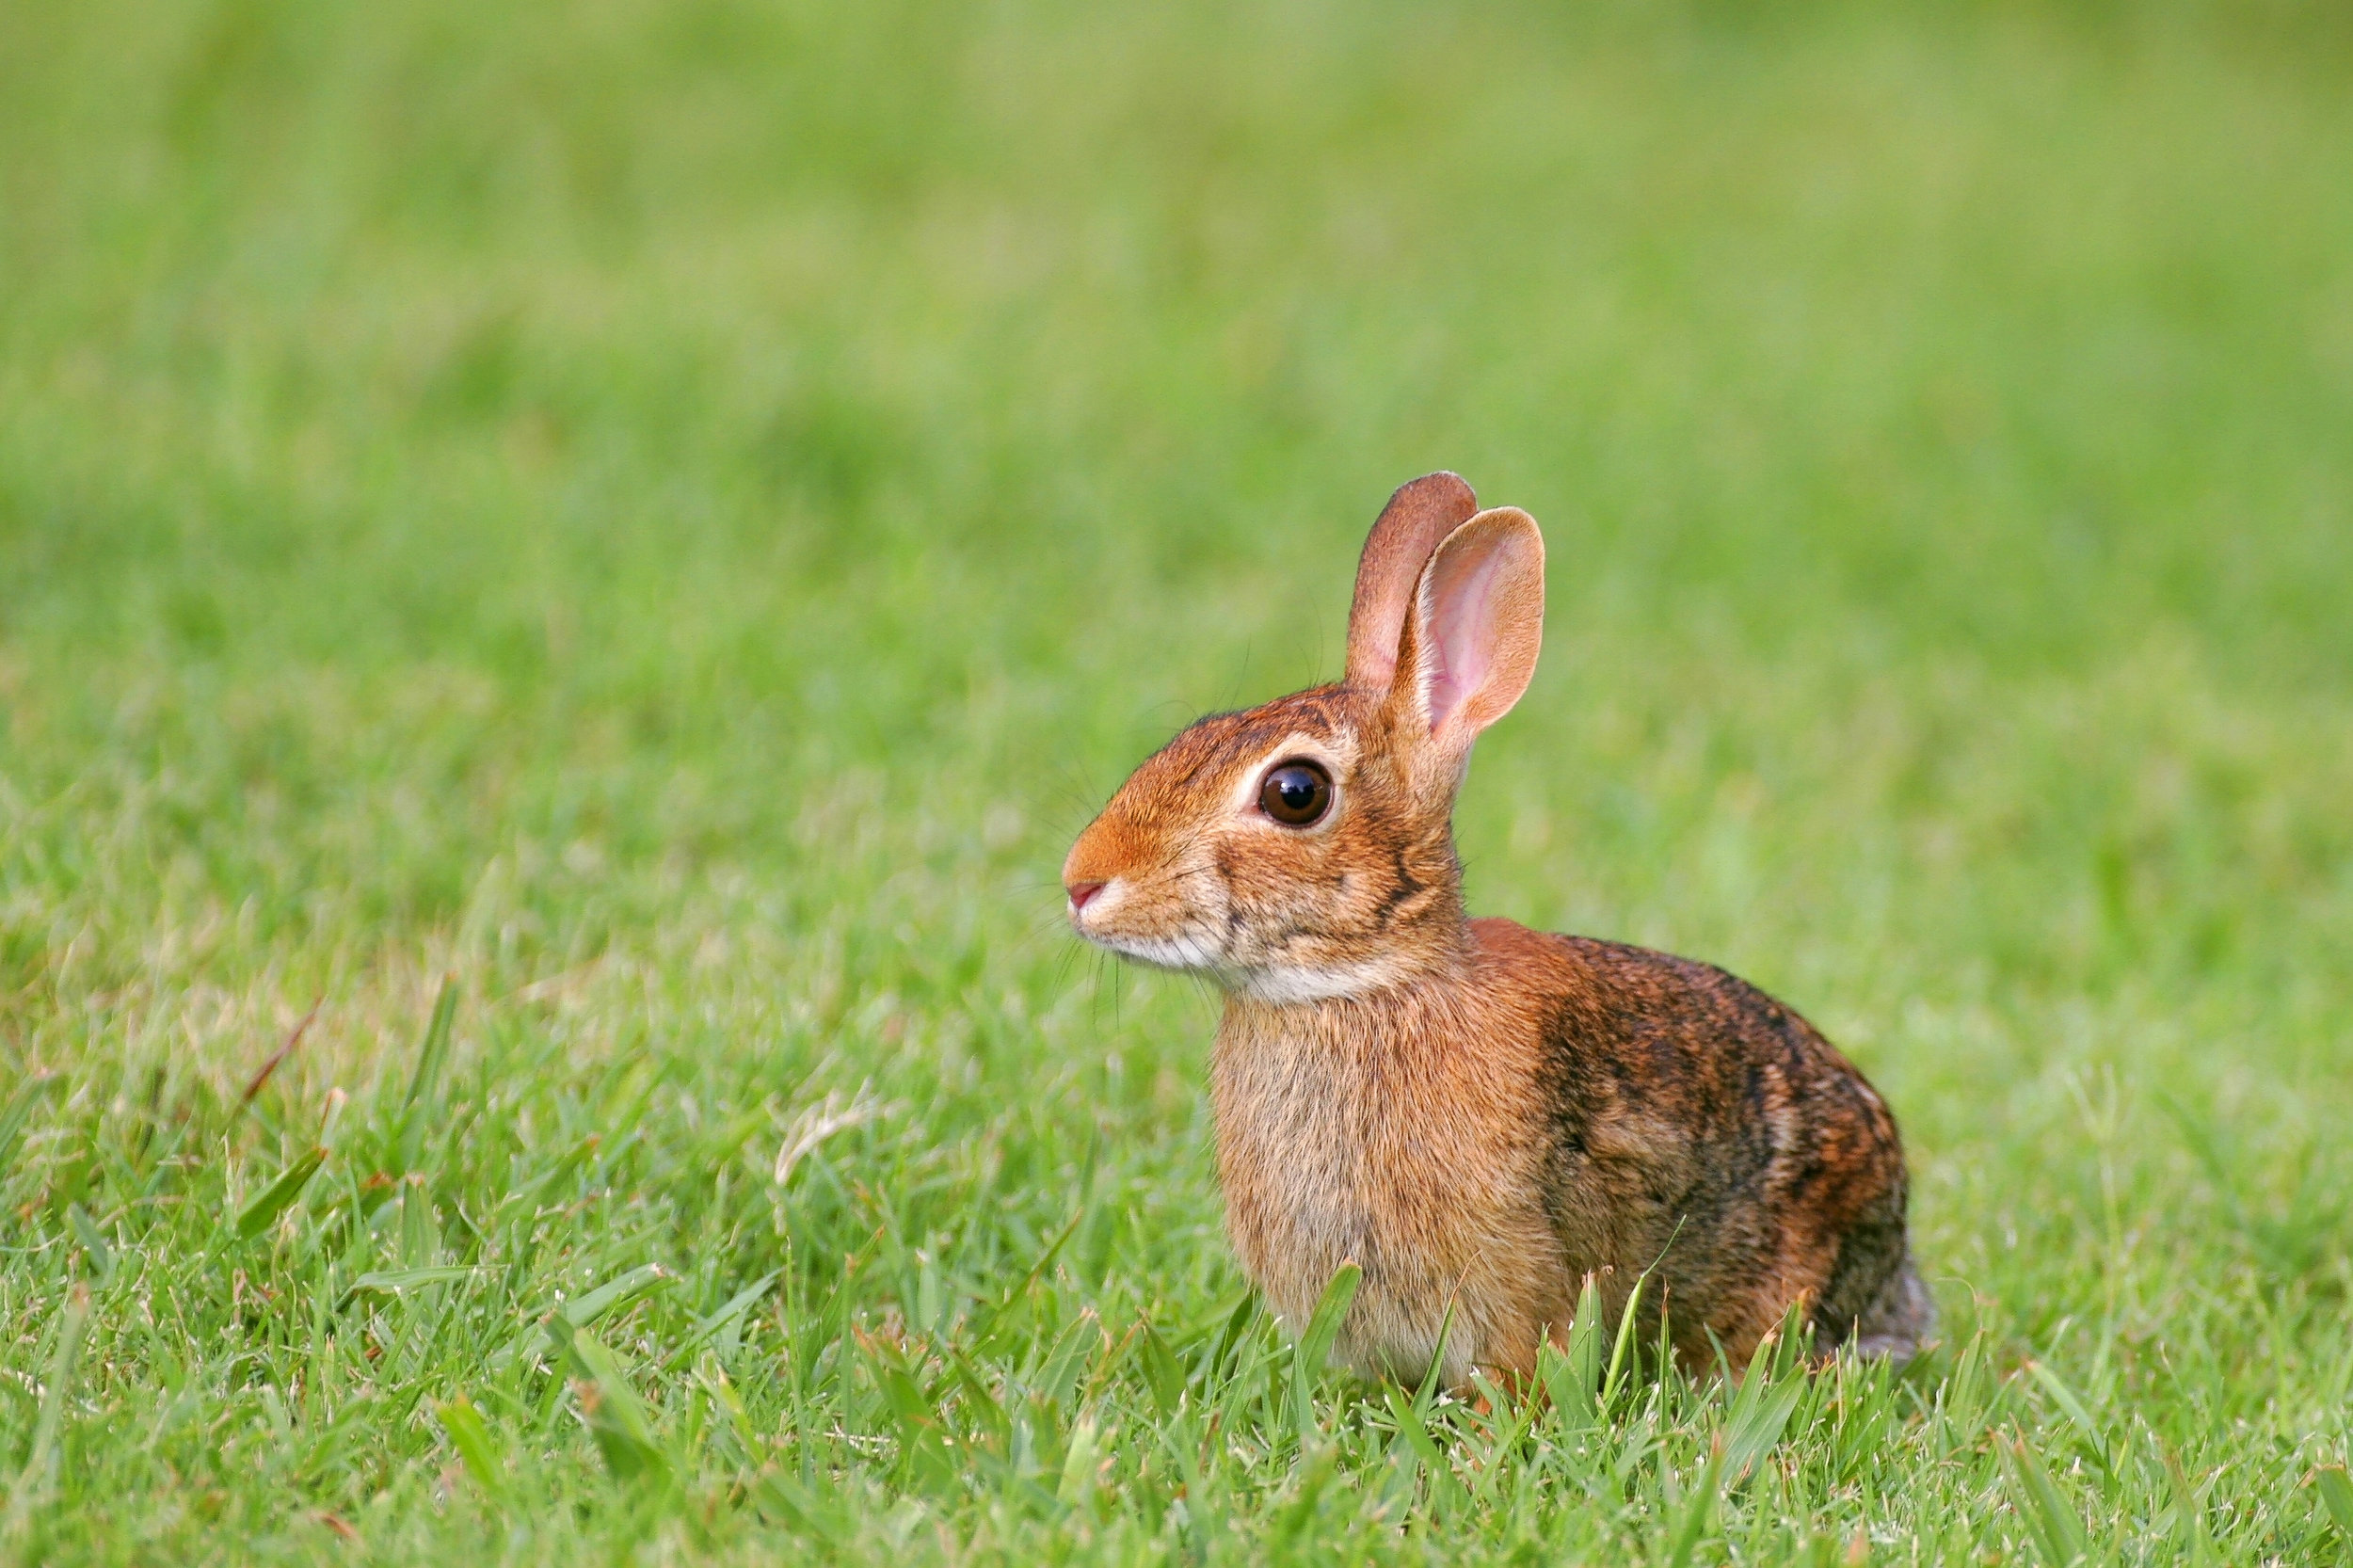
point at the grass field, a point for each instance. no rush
(656, 522)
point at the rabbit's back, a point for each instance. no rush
(1700, 1128)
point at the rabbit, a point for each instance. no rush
(1479, 1116)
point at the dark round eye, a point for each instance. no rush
(1296, 794)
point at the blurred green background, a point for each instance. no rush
(676, 512)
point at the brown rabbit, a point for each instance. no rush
(1478, 1114)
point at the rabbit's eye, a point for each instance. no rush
(1296, 794)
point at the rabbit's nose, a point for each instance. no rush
(1080, 892)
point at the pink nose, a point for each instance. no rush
(1080, 892)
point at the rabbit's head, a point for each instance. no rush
(1303, 849)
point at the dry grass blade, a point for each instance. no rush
(818, 1122)
(294, 1038)
(336, 1523)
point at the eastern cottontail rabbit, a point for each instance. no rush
(1478, 1114)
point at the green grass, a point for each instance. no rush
(670, 514)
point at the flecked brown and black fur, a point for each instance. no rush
(1479, 1116)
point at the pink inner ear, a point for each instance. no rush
(1462, 634)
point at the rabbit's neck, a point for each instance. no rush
(1358, 1127)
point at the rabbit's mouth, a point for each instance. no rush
(1108, 906)
(1192, 947)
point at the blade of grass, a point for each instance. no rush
(2189, 1507)
(102, 1257)
(33, 1482)
(1752, 1431)
(261, 1211)
(28, 1094)
(425, 1080)
(2078, 1414)
(1413, 1430)
(587, 1307)
(426, 1076)
(1315, 1345)
(470, 1434)
(1163, 1375)
(396, 1282)
(1621, 1347)
(616, 1417)
(1426, 1392)
(2336, 1495)
(2058, 1528)
(985, 1325)
(1574, 1383)
(1230, 1336)
(1077, 1465)
(1698, 1507)
(735, 1307)
(1495, 1467)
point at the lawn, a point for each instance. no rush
(568, 572)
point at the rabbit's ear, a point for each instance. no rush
(1421, 513)
(1478, 619)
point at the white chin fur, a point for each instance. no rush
(1282, 985)
(1286, 986)
(1162, 953)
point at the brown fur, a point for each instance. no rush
(1478, 1114)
